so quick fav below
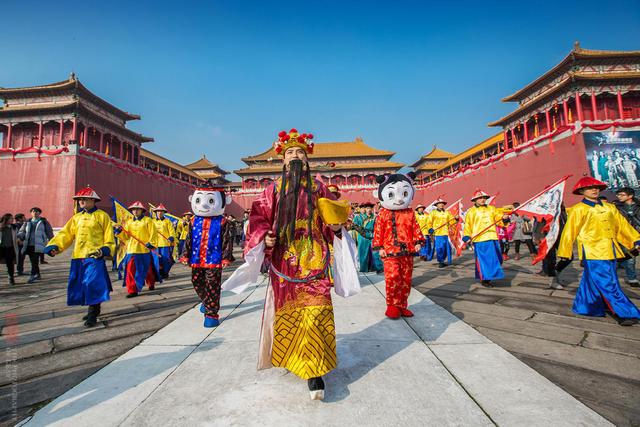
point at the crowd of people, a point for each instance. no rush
(21, 239)
(290, 237)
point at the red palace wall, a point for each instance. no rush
(51, 183)
(515, 178)
(518, 178)
(48, 184)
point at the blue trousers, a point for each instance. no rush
(442, 249)
(166, 259)
(599, 288)
(427, 250)
(488, 260)
(89, 282)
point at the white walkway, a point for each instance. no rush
(432, 369)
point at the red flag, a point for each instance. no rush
(455, 232)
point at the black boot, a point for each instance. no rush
(12, 281)
(316, 388)
(97, 310)
(442, 265)
(626, 322)
(132, 295)
(487, 283)
(92, 316)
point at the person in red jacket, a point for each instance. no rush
(398, 238)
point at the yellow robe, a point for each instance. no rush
(599, 231)
(143, 230)
(91, 231)
(182, 230)
(440, 221)
(423, 221)
(165, 229)
(479, 218)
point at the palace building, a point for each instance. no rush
(430, 162)
(209, 171)
(580, 117)
(60, 137)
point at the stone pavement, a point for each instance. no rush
(432, 369)
(45, 349)
(594, 359)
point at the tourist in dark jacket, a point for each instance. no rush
(630, 209)
(34, 235)
(8, 245)
(19, 219)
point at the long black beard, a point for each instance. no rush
(288, 203)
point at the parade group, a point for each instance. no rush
(296, 232)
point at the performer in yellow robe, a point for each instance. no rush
(422, 217)
(480, 229)
(141, 264)
(439, 222)
(91, 229)
(600, 232)
(166, 238)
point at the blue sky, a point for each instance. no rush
(223, 77)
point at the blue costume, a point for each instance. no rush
(369, 260)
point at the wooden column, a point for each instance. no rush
(85, 136)
(9, 132)
(526, 132)
(565, 111)
(547, 116)
(61, 130)
(620, 107)
(579, 107)
(594, 106)
(121, 148)
(101, 141)
(513, 138)
(74, 130)
(40, 134)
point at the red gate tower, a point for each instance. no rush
(352, 166)
(580, 117)
(60, 137)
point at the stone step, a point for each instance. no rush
(605, 326)
(462, 306)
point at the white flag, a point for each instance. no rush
(546, 207)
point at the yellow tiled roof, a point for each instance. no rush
(571, 77)
(576, 53)
(435, 153)
(356, 148)
(276, 168)
(489, 142)
(204, 163)
(164, 161)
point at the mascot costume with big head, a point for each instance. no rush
(208, 248)
(398, 238)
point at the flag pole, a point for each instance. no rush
(521, 206)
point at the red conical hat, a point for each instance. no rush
(87, 193)
(420, 206)
(478, 194)
(333, 188)
(586, 182)
(187, 213)
(440, 200)
(137, 205)
(160, 207)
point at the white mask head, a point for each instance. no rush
(208, 202)
(395, 192)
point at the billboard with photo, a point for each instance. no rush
(614, 157)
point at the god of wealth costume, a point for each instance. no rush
(166, 238)
(480, 228)
(439, 222)
(364, 226)
(397, 232)
(426, 253)
(298, 329)
(89, 282)
(141, 264)
(208, 248)
(600, 231)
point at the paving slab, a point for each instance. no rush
(425, 370)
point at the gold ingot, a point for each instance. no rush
(333, 212)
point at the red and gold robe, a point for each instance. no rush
(298, 329)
